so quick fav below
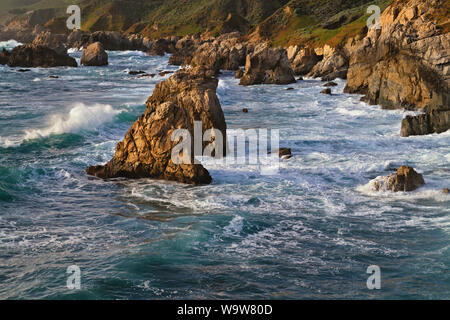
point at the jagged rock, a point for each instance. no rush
(406, 63)
(406, 179)
(226, 52)
(304, 61)
(52, 41)
(334, 65)
(184, 50)
(74, 39)
(145, 152)
(268, 66)
(31, 55)
(435, 121)
(161, 47)
(326, 91)
(94, 55)
(239, 74)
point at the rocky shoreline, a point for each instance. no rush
(404, 64)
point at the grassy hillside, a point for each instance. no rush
(284, 22)
(317, 22)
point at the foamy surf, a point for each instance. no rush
(80, 117)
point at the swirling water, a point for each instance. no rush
(309, 232)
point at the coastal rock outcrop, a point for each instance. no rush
(55, 42)
(32, 55)
(187, 96)
(303, 61)
(435, 121)
(333, 65)
(226, 52)
(94, 55)
(406, 63)
(406, 179)
(268, 66)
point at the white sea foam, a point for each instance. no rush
(10, 44)
(80, 117)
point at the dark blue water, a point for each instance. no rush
(309, 232)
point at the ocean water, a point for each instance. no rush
(309, 232)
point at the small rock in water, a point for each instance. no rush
(406, 179)
(289, 89)
(245, 110)
(330, 84)
(134, 72)
(53, 77)
(23, 70)
(146, 75)
(300, 79)
(446, 190)
(94, 55)
(163, 73)
(284, 153)
(326, 91)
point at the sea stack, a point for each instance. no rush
(188, 95)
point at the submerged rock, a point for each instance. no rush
(94, 55)
(330, 84)
(406, 179)
(326, 91)
(32, 55)
(268, 66)
(145, 152)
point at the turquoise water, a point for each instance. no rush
(309, 232)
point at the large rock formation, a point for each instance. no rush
(406, 179)
(94, 55)
(187, 96)
(226, 52)
(333, 65)
(268, 66)
(407, 62)
(55, 42)
(32, 55)
(303, 61)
